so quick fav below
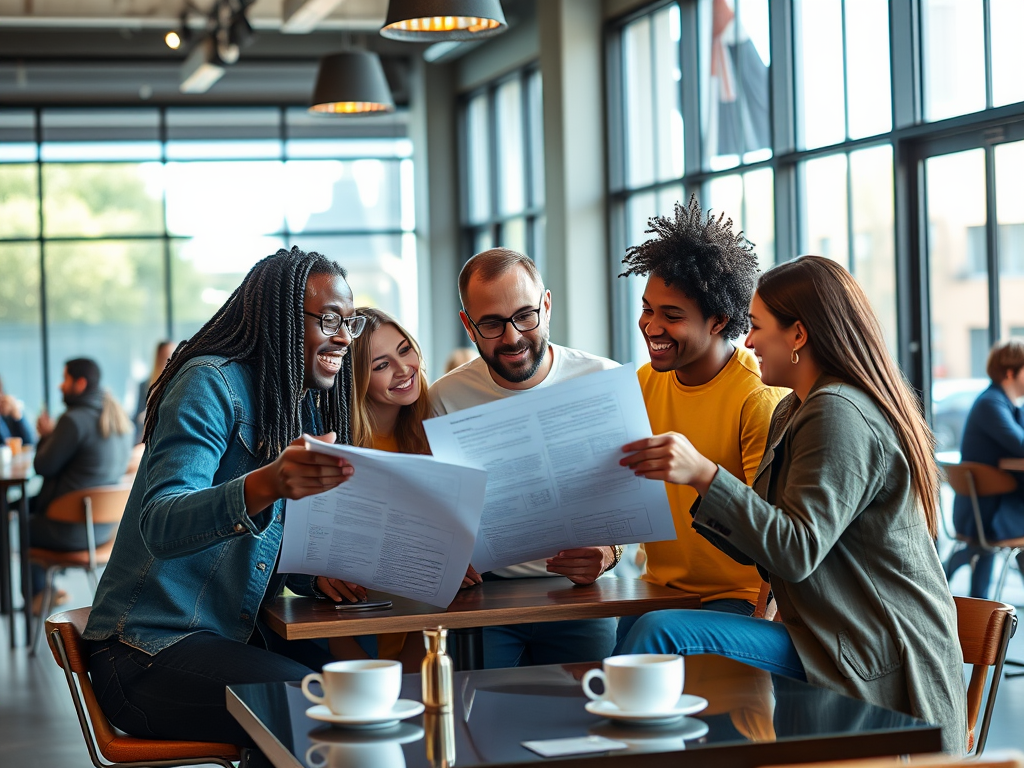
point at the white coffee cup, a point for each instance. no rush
(366, 687)
(639, 682)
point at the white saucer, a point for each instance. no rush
(656, 738)
(688, 704)
(404, 708)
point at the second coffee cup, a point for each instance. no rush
(640, 682)
(364, 687)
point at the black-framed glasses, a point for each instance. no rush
(331, 323)
(494, 328)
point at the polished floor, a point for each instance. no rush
(39, 729)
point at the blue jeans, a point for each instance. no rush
(760, 643)
(548, 642)
(725, 605)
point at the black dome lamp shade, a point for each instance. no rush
(432, 21)
(351, 83)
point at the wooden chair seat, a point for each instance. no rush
(64, 634)
(77, 559)
(1002, 544)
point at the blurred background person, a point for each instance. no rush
(88, 445)
(164, 350)
(459, 356)
(13, 419)
(994, 430)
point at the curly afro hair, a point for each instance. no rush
(703, 258)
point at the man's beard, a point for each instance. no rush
(521, 371)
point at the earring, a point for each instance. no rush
(795, 357)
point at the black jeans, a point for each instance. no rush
(178, 693)
(63, 537)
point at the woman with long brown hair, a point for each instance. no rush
(840, 519)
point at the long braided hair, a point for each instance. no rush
(261, 324)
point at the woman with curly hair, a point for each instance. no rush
(700, 277)
(841, 518)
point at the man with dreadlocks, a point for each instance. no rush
(700, 279)
(175, 617)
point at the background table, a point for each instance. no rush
(493, 603)
(1012, 465)
(16, 474)
(753, 719)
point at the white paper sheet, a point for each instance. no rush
(402, 524)
(553, 475)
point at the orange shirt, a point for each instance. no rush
(727, 420)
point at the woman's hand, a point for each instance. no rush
(672, 458)
(295, 474)
(472, 578)
(341, 591)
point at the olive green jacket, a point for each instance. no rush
(832, 522)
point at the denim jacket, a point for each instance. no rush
(187, 557)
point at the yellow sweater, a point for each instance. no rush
(727, 420)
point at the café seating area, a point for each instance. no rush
(436, 383)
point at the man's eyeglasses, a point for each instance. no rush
(494, 328)
(331, 323)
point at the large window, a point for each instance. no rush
(689, 124)
(502, 165)
(107, 246)
(811, 124)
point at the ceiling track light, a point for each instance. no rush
(351, 83)
(433, 21)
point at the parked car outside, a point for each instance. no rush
(951, 402)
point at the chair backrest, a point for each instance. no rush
(988, 480)
(108, 503)
(984, 628)
(68, 627)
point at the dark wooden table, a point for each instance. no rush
(493, 603)
(16, 474)
(753, 719)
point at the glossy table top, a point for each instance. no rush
(513, 601)
(753, 718)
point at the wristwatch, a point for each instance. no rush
(616, 556)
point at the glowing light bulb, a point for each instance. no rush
(173, 40)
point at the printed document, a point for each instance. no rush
(553, 475)
(402, 524)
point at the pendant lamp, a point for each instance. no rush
(351, 83)
(431, 21)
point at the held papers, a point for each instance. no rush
(401, 524)
(553, 475)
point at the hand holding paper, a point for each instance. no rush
(401, 524)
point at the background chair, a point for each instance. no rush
(974, 481)
(64, 631)
(89, 506)
(985, 628)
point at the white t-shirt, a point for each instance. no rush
(471, 384)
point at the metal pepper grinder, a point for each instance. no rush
(436, 672)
